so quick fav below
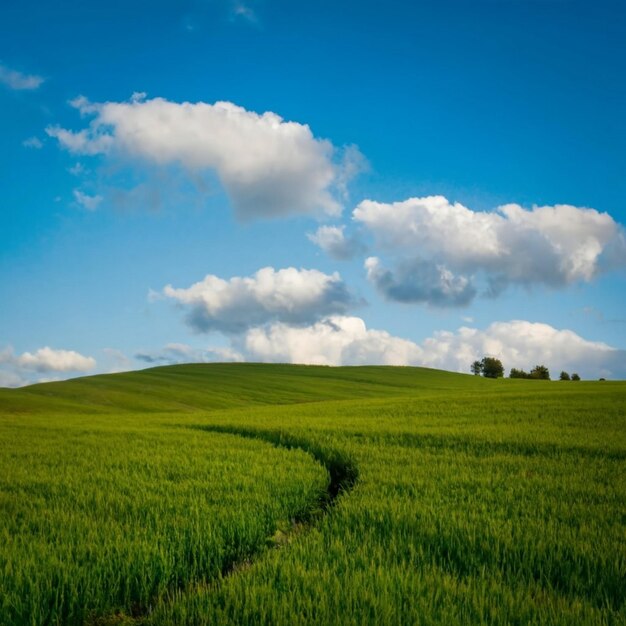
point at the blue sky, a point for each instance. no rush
(482, 104)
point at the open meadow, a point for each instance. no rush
(287, 495)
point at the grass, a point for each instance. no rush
(155, 497)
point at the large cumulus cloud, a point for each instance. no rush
(268, 166)
(291, 295)
(523, 344)
(336, 340)
(21, 369)
(343, 340)
(438, 249)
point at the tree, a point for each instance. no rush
(575, 376)
(477, 368)
(515, 373)
(492, 368)
(564, 376)
(540, 372)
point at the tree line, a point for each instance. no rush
(490, 367)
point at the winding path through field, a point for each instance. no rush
(342, 471)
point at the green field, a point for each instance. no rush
(285, 495)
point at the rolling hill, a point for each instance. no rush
(281, 494)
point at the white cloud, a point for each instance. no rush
(550, 245)
(88, 202)
(50, 360)
(9, 378)
(340, 340)
(17, 370)
(33, 142)
(289, 295)
(420, 281)
(268, 166)
(336, 340)
(524, 344)
(18, 81)
(333, 241)
(81, 142)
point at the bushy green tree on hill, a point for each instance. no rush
(540, 372)
(575, 376)
(564, 376)
(515, 373)
(492, 367)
